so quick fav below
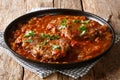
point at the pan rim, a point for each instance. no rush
(71, 63)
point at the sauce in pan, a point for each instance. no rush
(60, 39)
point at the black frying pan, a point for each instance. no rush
(23, 19)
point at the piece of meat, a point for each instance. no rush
(19, 39)
(68, 33)
(48, 54)
(65, 45)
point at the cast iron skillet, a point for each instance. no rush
(22, 19)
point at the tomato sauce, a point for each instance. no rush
(60, 39)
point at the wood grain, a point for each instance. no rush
(9, 69)
(71, 4)
(9, 10)
(30, 4)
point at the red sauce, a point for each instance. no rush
(60, 38)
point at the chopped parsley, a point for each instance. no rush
(45, 35)
(75, 21)
(29, 40)
(82, 29)
(55, 46)
(29, 34)
(53, 37)
(85, 22)
(82, 33)
(63, 23)
(44, 42)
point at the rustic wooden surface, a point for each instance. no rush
(107, 69)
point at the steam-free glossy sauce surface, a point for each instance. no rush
(60, 39)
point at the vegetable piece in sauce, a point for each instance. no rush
(85, 22)
(29, 40)
(29, 34)
(45, 35)
(49, 37)
(54, 37)
(82, 29)
(75, 21)
(43, 43)
(82, 33)
(63, 23)
(55, 46)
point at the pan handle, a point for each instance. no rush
(117, 36)
(108, 18)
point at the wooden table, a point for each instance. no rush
(107, 69)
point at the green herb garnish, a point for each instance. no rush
(49, 37)
(45, 35)
(82, 29)
(44, 42)
(29, 34)
(55, 46)
(29, 40)
(75, 21)
(82, 33)
(63, 23)
(85, 22)
(54, 37)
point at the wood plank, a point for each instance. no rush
(9, 69)
(112, 64)
(109, 67)
(38, 4)
(28, 75)
(71, 4)
(9, 10)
